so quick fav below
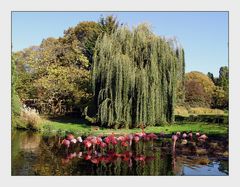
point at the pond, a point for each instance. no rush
(35, 154)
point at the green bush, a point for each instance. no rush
(220, 119)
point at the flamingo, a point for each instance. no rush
(140, 158)
(94, 141)
(203, 137)
(184, 135)
(153, 136)
(95, 160)
(140, 134)
(79, 139)
(87, 144)
(146, 137)
(124, 143)
(87, 157)
(121, 138)
(103, 145)
(190, 135)
(79, 155)
(128, 154)
(73, 140)
(136, 139)
(130, 137)
(184, 141)
(197, 134)
(99, 140)
(72, 155)
(70, 137)
(107, 140)
(178, 134)
(114, 141)
(174, 139)
(66, 143)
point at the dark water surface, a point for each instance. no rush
(34, 154)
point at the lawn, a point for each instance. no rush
(79, 127)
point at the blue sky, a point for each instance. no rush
(203, 35)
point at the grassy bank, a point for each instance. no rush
(61, 127)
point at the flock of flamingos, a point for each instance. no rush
(96, 145)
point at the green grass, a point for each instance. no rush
(61, 127)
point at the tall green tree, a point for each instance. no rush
(15, 100)
(223, 80)
(85, 34)
(135, 78)
(54, 77)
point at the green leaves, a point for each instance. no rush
(135, 77)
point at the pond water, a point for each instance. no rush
(34, 154)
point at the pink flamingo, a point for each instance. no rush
(87, 144)
(140, 134)
(114, 142)
(140, 158)
(99, 140)
(136, 139)
(146, 137)
(72, 155)
(130, 138)
(184, 135)
(95, 160)
(103, 145)
(70, 137)
(121, 138)
(66, 143)
(87, 157)
(124, 143)
(174, 139)
(107, 140)
(203, 137)
(153, 136)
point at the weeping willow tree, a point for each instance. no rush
(135, 77)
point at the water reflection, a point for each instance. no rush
(33, 154)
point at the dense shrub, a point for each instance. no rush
(221, 119)
(187, 111)
(180, 110)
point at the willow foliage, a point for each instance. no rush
(135, 77)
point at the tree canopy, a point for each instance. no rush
(199, 89)
(135, 77)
